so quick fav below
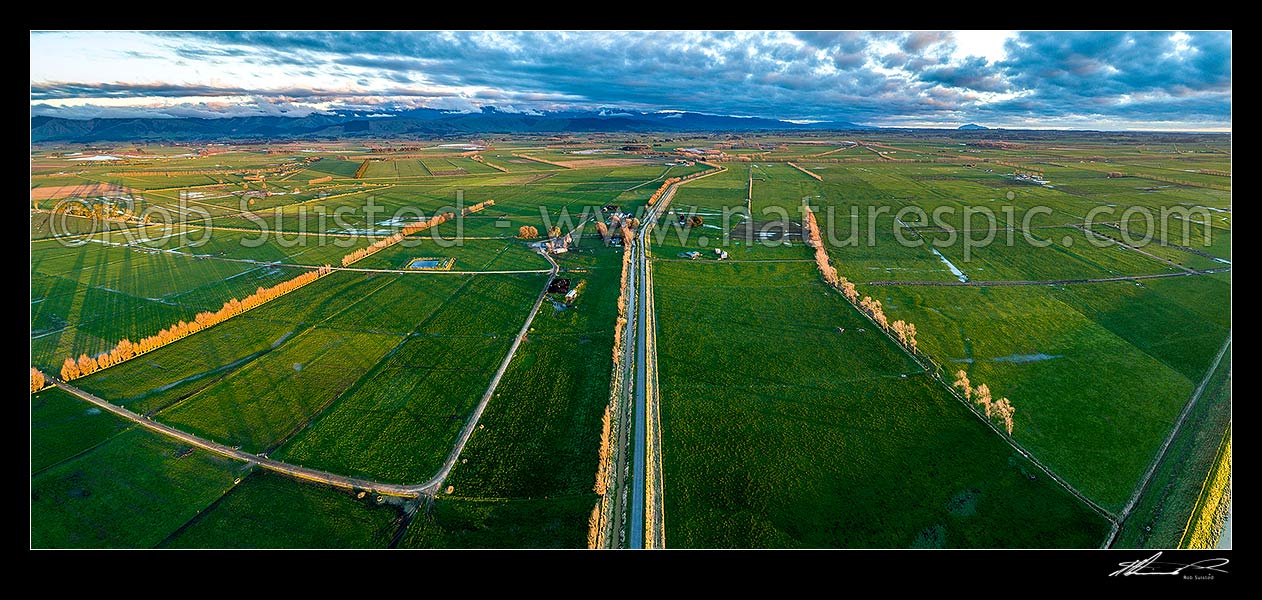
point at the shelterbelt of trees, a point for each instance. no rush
(409, 229)
(126, 349)
(74, 368)
(1001, 409)
(657, 195)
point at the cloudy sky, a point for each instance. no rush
(1169, 80)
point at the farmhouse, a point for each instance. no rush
(560, 285)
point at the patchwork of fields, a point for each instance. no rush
(789, 418)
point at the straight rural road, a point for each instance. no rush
(645, 527)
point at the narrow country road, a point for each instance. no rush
(645, 527)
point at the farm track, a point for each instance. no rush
(265, 263)
(1188, 273)
(428, 488)
(1165, 447)
(297, 471)
(1135, 248)
(432, 486)
(920, 360)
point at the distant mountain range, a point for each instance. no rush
(423, 122)
(972, 127)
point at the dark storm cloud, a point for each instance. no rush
(53, 90)
(861, 76)
(973, 74)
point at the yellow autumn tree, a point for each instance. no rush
(813, 239)
(962, 382)
(605, 453)
(37, 380)
(983, 398)
(1004, 410)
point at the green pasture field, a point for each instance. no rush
(257, 244)
(499, 523)
(778, 430)
(268, 510)
(398, 422)
(178, 370)
(1051, 254)
(1161, 514)
(1108, 365)
(63, 426)
(85, 299)
(262, 404)
(339, 169)
(504, 254)
(787, 419)
(130, 492)
(541, 432)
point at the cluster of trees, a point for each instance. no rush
(409, 229)
(1184, 182)
(100, 211)
(874, 309)
(622, 299)
(815, 241)
(1000, 409)
(527, 232)
(126, 349)
(38, 381)
(593, 527)
(468, 210)
(847, 289)
(606, 444)
(478, 157)
(906, 333)
(662, 190)
(803, 169)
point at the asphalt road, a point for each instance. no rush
(646, 508)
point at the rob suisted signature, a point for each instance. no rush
(1150, 566)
